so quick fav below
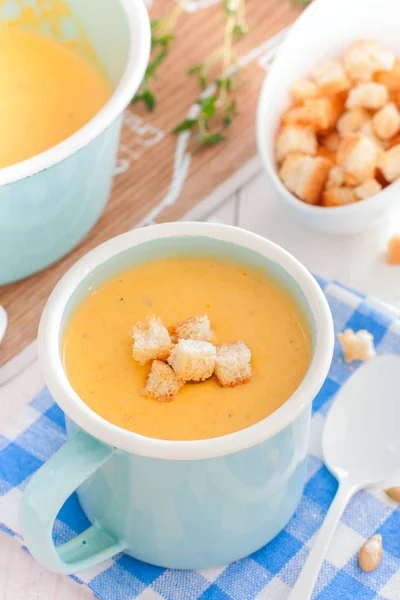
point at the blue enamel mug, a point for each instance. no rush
(49, 202)
(176, 504)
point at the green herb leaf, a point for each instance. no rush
(212, 139)
(163, 41)
(230, 112)
(207, 101)
(203, 81)
(199, 69)
(195, 69)
(149, 100)
(185, 125)
(153, 66)
(227, 83)
(209, 111)
(208, 106)
(239, 31)
(139, 97)
(301, 3)
(145, 95)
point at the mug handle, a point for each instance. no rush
(45, 494)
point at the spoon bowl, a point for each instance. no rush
(362, 432)
(361, 447)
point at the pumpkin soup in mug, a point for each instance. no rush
(241, 303)
(48, 92)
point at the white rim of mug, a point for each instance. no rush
(138, 23)
(87, 419)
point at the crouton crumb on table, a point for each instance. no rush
(357, 345)
(393, 251)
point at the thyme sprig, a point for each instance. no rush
(161, 38)
(219, 102)
(216, 110)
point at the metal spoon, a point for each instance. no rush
(361, 447)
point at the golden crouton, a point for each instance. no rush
(369, 132)
(304, 89)
(386, 122)
(305, 176)
(358, 156)
(395, 141)
(351, 121)
(233, 366)
(350, 180)
(370, 95)
(162, 383)
(319, 114)
(151, 340)
(327, 154)
(357, 346)
(331, 77)
(195, 328)
(365, 58)
(381, 178)
(295, 138)
(391, 79)
(338, 196)
(395, 97)
(193, 360)
(330, 141)
(389, 164)
(350, 109)
(393, 251)
(336, 177)
(367, 189)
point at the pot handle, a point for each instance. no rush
(49, 488)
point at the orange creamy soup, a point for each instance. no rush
(240, 303)
(47, 93)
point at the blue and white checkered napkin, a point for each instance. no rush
(270, 573)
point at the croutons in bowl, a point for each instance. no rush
(328, 122)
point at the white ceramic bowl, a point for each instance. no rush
(325, 29)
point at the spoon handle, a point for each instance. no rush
(306, 581)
